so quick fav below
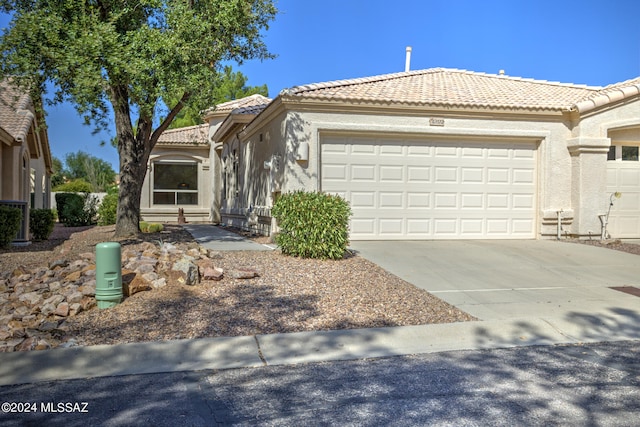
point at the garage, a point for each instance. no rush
(414, 189)
(623, 176)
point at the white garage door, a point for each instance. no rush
(413, 189)
(623, 175)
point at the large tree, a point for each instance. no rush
(232, 85)
(95, 171)
(128, 57)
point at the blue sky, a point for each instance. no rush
(593, 42)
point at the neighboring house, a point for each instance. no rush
(25, 157)
(437, 154)
(178, 176)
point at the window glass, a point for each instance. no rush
(612, 153)
(168, 176)
(175, 183)
(630, 153)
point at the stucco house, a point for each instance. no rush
(178, 176)
(25, 156)
(438, 154)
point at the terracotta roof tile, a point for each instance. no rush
(452, 87)
(249, 101)
(198, 135)
(16, 111)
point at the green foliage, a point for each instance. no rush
(10, 219)
(61, 200)
(108, 208)
(75, 210)
(116, 61)
(150, 227)
(312, 224)
(57, 178)
(97, 172)
(229, 87)
(41, 223)
(76, 186)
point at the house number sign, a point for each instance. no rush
(436, 122)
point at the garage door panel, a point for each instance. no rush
(363, 199)
(392, 200)
(419, 174)
(392, 173)
(430, 190)
(471, 201)
(363, 173)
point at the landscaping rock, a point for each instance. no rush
(33, 303)
(187, 272)
(212, 273)
(242, 273)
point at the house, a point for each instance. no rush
(441, 154)
(178, 176)
(25, 157)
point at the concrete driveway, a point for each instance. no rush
(510, 279)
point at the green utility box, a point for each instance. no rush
(108, 274)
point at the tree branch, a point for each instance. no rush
(167, 121)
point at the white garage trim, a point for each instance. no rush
(401, 188)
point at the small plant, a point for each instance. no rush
(41, 223)
(108, 208)
(150, 227)
(10, 219)
(312, 224)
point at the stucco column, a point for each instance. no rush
(216, 178)
(588, 183)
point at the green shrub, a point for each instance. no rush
(40, 223)
(312, 224)
(10, 219)
(155, 228)
(61, 200)
(77, 210)
(150, 227)
(107, 211)
(76, 186)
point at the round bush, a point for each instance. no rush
(312, 224)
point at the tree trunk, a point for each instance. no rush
(133, 166)
(134, 151)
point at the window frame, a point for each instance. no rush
(177, 192)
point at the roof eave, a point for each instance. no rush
(231, 124)
(607, 98)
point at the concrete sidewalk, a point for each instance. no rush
(305, 347)
(217, 238)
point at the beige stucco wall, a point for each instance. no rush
(572, 153)
(169, 213)
(590, 142)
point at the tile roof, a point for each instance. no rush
(452, 87)
(198, 135)
(248, 101)
(16, 111)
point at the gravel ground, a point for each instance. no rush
(291, 295)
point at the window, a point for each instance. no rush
(626, 153)
(175, 183)
(630, 154)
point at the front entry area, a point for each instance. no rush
(419, 189)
